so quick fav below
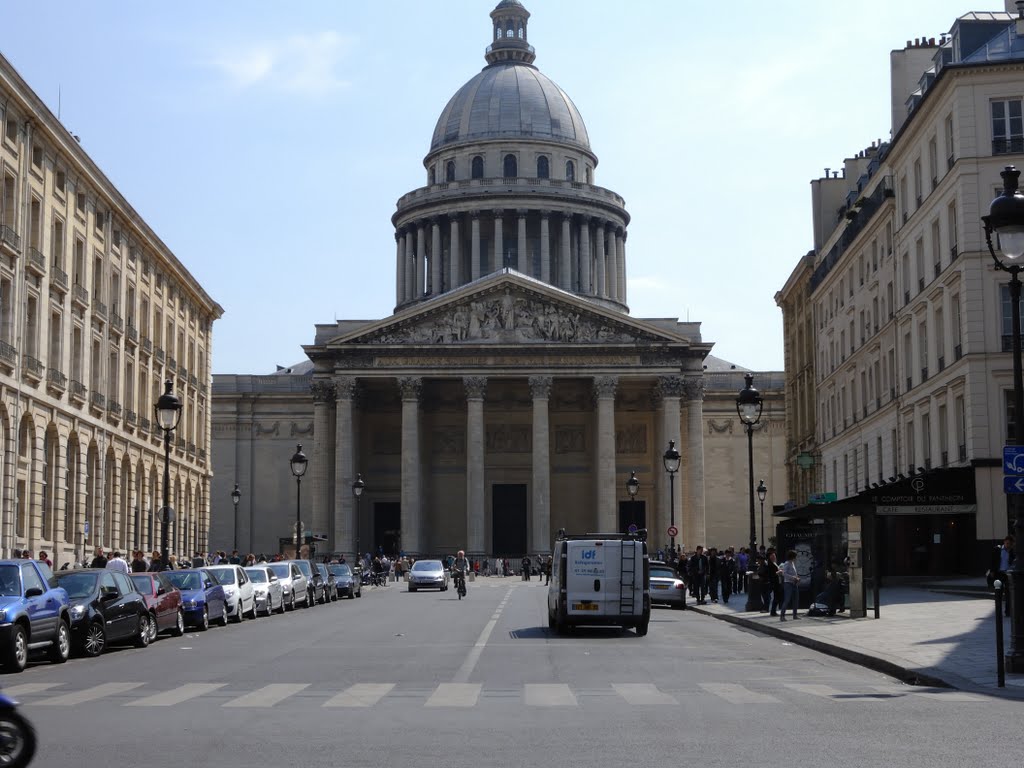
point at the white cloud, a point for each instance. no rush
(305, 64)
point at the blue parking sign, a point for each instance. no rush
(1013, 459)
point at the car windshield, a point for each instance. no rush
(662, 573)
(10, 580)
(427, 565)
(142, 583)
(282, 570)
(184, 580)
(322, 568)
(223, 575)
(78, 584)
(340, 570)
(257, 575)
(304, 567)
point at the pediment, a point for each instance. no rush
(509, 309)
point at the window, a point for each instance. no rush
(570, 170)
(919, 259)
(954, 321)
(1007, 127)
(449, 171)
(1006, 314)
(960, 422)
(431, 177)
(953, 233)
(918, 186)
(908, 361)
(904, 200)
(8, 203)
(1011, 416)
(80, 203)
(922, 341)
(510, 167)
(933, 161)
(543, 170)
(926, 439)
(11, 129)
(60, 181)
(943, 435)
(940, 339)
(478, 167)
(950, 158)
(37, 158)
(911, 461)
(936, 247)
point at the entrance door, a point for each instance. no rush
(387, 527)
(633, 512)
(508, 520)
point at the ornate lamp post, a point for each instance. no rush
(748, 406)
(236, 496)
(168, 413)
(298, 462)
(671, 461)
(1006, 219)
(632, 488)
(762, 491)
(357, 490)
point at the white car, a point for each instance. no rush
(293, 584)
(266, 585)
(239, 595)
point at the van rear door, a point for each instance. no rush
(592, 578)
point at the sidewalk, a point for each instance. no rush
(923, 637)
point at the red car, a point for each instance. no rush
(164, 601)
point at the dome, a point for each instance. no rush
(510, 100)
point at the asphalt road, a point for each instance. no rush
(400, 679)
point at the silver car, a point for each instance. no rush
(428, 574)
(666, 586)
(293, 584)
(267, 588)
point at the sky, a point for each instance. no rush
(267, 143)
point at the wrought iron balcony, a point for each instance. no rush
(114, 409)
(56, 379)
(172, 364)
(193, 380)
(116, 322)
(202, 454)
(97, 400)
(33, 367)
(158, 354)
(131, 333)
(77, 390)
(36, 262)
(58, 278)
(8, 354)
(191, 449)
(131, 417)
(144, 424)
(80, 296)
(99, 309)
(10, 238)
(179, 443)
(147, 345)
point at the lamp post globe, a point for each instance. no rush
(168, 413)
(671, 459)
(357, 491)
(632, 488)
(748, 406)
(236, 496)
(298, 464)
(1005, 220)
(762, 493)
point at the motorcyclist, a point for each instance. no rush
(460, 567)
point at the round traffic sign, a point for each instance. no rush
(632, 528)
(673, 531)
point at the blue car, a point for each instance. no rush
(34, 614)
(202, 598)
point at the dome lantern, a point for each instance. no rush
(509, 38)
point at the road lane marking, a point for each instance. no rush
(737, 694)
(28, 688)
(454, 695)
(360, 695)
(267, 696)
(176, 695)
(462, 676)
(643, 694)
(548, 695)
(89, 694)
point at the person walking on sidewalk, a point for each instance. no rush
(771, 589)
(727, 571)
(1001, 559)
(698, 570)
(790, 585)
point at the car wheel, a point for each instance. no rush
(412, 588)
(252, 613)
(142, 639)
(17, 652)
(95, 639)
(179, 624)
(224, 615)
(641, 628)
(154, 629)
(359, 592)
(61, 648)
(204, 622)
(291, 603)
(281, 609)
(18, 738)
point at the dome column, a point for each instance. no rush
(421, 260)
(585, 286)
(455, 258)
(399, 268)
(564, 256)
(545, 247)
(410, 265)
(612, 263)
(435, 257)
(521, 263)
(499, 240)
(601, 267)
(474, 265)
(620, 264)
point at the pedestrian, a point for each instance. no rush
(771, 587)
(100, 560)
(117, 563)
(548, 565)
(235, 559)
(1000, 560)
(743, 562)
(713, 574)
(139, 564)
(790, 584)
(156, 562)
(44, 559)
(727, 572)
(697, 567)
(526, 567)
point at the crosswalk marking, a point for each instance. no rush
(548, 695)
(642, 694)
(29, 688)
(268, 695)
(360, 695)
(176, 695)
(455, 695)
(737, 694)
(89, 694)
(824, 691)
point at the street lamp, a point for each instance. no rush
(168, 413)
(632, 488)
(236, 496)
(671, 462)
(298, 462)
(748, 406)
(762, 491)
(357, 490)
(1006, 219)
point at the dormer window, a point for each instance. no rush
(543, 169)
(478, 167)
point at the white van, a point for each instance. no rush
(599, 578)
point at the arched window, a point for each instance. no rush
(497, 31)
(478, 167)
(431, 177)
(510, 31)
(511, 167)
(543, 171)
(588, 174)
(570, 170)
(520, 31)
(449, 171)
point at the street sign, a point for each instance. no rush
(1013, 484)
(632, 528)
(1013, 459)
(86, 527)
(673, 531)
(822, 498)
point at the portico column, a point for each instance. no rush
(421, 260)
(323, 392)
(545, 247)
(670, 388)
(540, 390)
(585, 287)
(696, 519)
(499, 241)
(521, 260)
(435, 257)
(564, 262)
(474, 267)
(600, 267)
(612, 264)
(456, 255)
(620, 266)
(475, 386)
(344, 466)
(399, 269)
(604, 393)
(410, 265)
(410, 387)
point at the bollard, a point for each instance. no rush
(1000, 659)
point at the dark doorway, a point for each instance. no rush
(633, 512)
(387, 527)
(508, 520)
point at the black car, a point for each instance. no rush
(330, 585)
(349, 583)
(105, 608)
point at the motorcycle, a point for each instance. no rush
(460, 583)
(17, 736)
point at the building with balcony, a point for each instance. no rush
(83, 279)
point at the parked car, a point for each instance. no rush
(164, 602)
(267, 588)
(238, 590)
(202, 598)
(105, 608)
(428, 574)
(347, 582)
(314, 581)
(330, 584)
(33, 614)
(294, 584)
(666, 586)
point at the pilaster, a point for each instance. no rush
(476, 388)
(344, 466)
(604, 393)
(410, 388)
(540, 390)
